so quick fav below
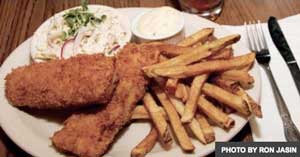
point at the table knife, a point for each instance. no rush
(284, 49)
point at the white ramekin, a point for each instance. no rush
(172, 38)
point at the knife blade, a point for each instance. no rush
(284, 49)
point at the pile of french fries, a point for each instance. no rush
(197, 84)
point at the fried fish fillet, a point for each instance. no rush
(90, 134)
(75, 82)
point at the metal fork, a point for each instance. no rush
(257, 43)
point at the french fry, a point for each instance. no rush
(236, 89)
(185, 92)
(243, 77)
(182, 92)
(171, 85)
(191, 105)
(227, 109)
(193, 125)
(210, 39)
(196, 37)
(184, 59)
(246, 68)
(255, 107)
(178, 92)
(225, 97)
(171, 50)
(207, 40)
(197, 54)
(158, 119)
(146, 145)
(206, 128)
(162, 58)
(219, 44)
(140, 112)
(197, 44)
(215, 114)
(204, 67)
(180, 132)
(228, 85)
(225, 53)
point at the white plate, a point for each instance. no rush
(32, 131)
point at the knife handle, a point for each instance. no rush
(296, 74)
(290, 130)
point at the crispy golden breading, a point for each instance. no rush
(90, 134)
(75, 82)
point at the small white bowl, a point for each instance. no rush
(172, 37)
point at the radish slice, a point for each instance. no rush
(67, 49)
(114, 49)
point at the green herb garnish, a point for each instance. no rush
(79, 17)
(84, 4)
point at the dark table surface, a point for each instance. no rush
(20, 18)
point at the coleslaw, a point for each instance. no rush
(82, 30)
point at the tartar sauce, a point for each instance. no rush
(159, 22)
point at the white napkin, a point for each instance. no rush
(270, 127)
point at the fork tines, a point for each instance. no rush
(255, 37)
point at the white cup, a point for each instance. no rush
(172, 37)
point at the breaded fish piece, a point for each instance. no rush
(90, 134)
(75, 82)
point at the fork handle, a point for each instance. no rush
(290, 130)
